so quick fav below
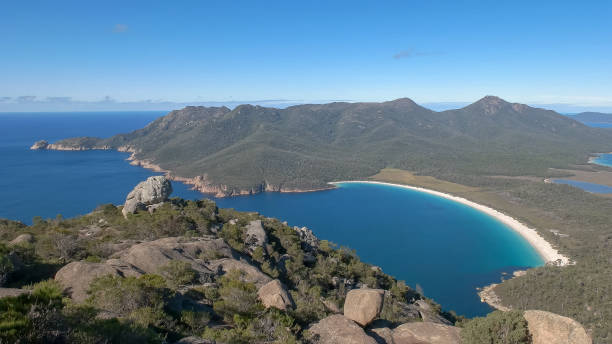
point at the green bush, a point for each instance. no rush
(122, 296)
(178, 273)
(236, 297)
(497, 328)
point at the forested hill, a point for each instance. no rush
(595, 117)
(253, 148)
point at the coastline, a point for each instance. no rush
(549, 254)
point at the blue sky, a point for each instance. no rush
(141, 52)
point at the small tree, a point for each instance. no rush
(178, 273)
(497, 328)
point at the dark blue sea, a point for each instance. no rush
(447, 248)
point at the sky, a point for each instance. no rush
(130, 55)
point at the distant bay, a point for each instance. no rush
(603, 159)
(447, 248)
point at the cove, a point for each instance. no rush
(447, 248)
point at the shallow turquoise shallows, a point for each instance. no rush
(604, 159)
(447, 248)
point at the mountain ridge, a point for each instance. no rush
(252, 148)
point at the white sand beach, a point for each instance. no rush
(543, 247)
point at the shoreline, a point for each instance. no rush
(544, 249)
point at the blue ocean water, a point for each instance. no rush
(590, 187)
(447, 248)
(47, 183)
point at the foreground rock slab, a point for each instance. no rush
(274, 294)
(426, 333)
(77, 276)
(337, 329)
(550, 328)
(363, 305)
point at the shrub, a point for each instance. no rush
(236, 297)
(178, 273)
(122, 296)
(497, 328)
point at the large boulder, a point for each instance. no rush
(363, 305)
(154, 190)
(550, 328)
(274, 294)
(426, 333)
(337, 329)
(256, 235)
(77, 276)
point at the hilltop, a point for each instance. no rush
(251, 148)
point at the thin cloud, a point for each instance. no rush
(410, 53)
(5, 99)
(26, 99)
(120, 28)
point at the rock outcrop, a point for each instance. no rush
(42, 144)
(363, 305)
(150, 192)
(77, 276)
(338, 329)
(250, 273)
(381, 332)
(430, 315)
(426, 333)
(548, 328)
(274, 294)
(308, 238)
(256, 235)
(21, 239)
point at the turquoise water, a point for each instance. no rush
(447, 248)
(604, 159)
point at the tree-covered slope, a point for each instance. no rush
(253, 148)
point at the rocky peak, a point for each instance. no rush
(489, 105)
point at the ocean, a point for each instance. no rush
(446, 248)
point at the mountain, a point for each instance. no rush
(252, 148)
(593, 117)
